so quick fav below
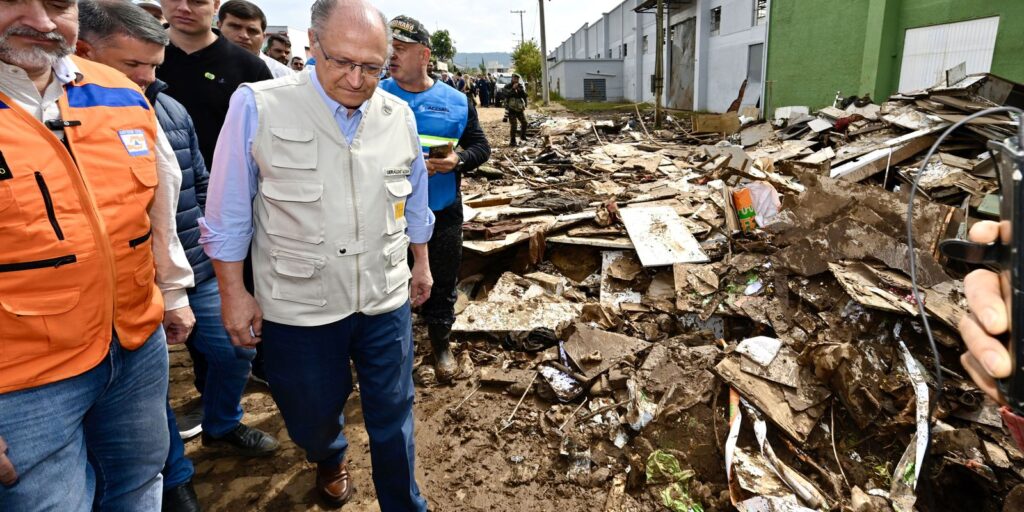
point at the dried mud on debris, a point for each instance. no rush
(685, 319)
(718, 315)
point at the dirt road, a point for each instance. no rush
(462, 465)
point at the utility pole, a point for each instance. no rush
(544, 55)
(522, 36)
(659, 65)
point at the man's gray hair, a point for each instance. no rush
(322, 10)
(102, 19)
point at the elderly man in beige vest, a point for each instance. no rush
(322, 173)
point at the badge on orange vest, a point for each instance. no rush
(134, 141)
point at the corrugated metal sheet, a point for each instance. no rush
(929, 51)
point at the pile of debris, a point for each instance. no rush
(719, 314)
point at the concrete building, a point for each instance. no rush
(711, 47)
(494, 67)
(880, 47)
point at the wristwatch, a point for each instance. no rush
(461, 164)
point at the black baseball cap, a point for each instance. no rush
(408, 30)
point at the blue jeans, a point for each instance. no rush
(227, 371)
(178, 470)
(97, 439)
(310, 379)
(228, 366)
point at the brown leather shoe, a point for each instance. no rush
(333, 483)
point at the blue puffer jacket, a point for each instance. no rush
(181, 133)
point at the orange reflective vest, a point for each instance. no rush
(76, 260)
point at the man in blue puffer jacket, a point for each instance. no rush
(128, 39)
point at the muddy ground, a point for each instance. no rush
(461, 464)
(470, 459)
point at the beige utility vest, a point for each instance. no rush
(329, 217)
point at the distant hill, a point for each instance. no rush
(473, 59)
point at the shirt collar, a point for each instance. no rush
(66, 71)
(331, 104)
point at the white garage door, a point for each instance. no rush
(929, 51)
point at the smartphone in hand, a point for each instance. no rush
(440, 151)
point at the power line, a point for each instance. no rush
(522, 36)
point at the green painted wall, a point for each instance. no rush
(817, 47)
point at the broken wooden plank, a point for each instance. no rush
(660, 237)
(604, 243)
(618, 269)
(770, 398)
(819, 125)
(515, 316)
(725, 124)
(594, 351)
(505, 377)
(752, 135)
(875, 162)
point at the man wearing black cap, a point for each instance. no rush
(444, 117)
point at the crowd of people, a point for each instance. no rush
(171, 174)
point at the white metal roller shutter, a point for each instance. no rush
(929, 51)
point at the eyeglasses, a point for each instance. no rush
(369, 71)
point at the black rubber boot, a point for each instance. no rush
(444, 362)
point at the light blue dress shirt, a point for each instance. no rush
(227, 228)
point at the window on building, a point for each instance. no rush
(760, 12)
(755, 62)
(645, 44)
(625, 50)
(716, 21)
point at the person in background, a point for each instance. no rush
(332, 279)
(92, 274)
(202, 69)
(459, 82)
(298, 64)
(485, 93)
(492, 86)
(515, 106)
(278, 47)
(153, 8)
(469, 88)
(447, 79)
(443, 117)
(244, 24)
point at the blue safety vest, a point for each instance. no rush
(441, 116)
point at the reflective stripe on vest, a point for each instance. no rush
(77, 259)
(442, 114)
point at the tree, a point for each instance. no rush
(483, 67)
(441, 46)
(527, 60)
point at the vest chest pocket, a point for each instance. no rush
(38, 322)
(294, 210)
(398, 193)
(396, 263)
(146, 180)
(293, 148)
(298, 278)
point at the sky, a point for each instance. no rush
(475, 25)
